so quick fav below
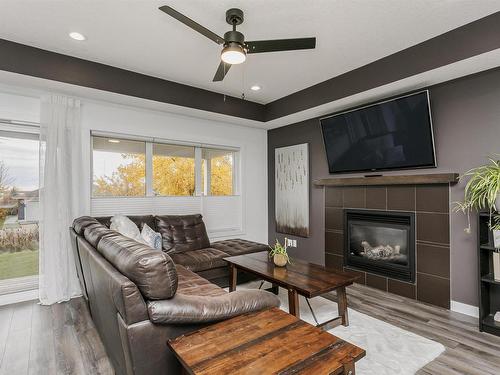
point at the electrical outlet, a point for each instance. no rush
(291, 243)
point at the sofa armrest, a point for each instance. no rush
(184, 309)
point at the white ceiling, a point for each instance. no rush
(135, 35)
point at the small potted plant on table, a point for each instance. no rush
(279, 254)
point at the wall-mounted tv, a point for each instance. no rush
(391, 134)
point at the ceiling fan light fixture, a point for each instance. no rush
(233, 54)
(235, 47)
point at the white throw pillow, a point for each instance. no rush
(151, 238)
(125, 226)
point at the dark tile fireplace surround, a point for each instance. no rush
(428, 205)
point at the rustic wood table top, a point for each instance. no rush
(265, 342)
(310, 280)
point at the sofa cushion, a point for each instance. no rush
(152, 271)
(200, 260)
(83, 222)
(138, 220)
(182, 232)
(93, 233)
(199, 301)
(186, 309)
(239, 247)
(190, 283)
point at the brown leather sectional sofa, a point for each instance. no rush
(140, 297)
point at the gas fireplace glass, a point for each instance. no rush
(381, 242)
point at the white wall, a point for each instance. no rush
(19, 107)
(106, 117)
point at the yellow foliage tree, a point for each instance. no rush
(171, 176)
(127, 181)
(221, 179)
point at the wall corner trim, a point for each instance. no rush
(463, 308)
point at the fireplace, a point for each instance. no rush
(380, 242)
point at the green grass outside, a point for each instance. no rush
(2, 220)
(23, 263)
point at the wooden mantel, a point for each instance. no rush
(410, 179)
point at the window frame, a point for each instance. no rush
(121, 138)
(149, 142)
(207, 177)
(29, 284)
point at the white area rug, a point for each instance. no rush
(389, 350)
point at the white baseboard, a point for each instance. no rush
(463, 308)
(9, 299)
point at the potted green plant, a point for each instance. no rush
(483, 192)
(279, 254)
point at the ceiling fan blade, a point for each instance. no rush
(261, 46)
(192, 24)
(221, 71)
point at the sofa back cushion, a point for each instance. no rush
(182, 232)
(93, 233)
(152, 271)
(79, 224)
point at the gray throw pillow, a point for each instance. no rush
(151, 238)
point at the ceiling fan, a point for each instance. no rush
(235, 48)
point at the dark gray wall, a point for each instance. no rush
(36, 62)
(469, 40)
(466, 116)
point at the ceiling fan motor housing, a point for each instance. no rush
(234, 16)
(234, 36)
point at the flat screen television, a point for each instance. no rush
(391, 134)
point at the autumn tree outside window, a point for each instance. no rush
(173, 170)
(123, 168)
(119, 167)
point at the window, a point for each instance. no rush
(173, 169)
(218, 168)
(133, 168)
(19, 172)
(119, 167)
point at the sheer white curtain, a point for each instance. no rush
(61, 195)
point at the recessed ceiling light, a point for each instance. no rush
(77, 36)
(255, 88)
(113, 141)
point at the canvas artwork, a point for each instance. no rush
(292, 190)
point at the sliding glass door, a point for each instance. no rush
(19, 209)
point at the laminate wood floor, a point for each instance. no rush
(61, 339)
(57, 339)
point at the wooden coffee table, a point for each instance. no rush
(265, 342)
(299, 277)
